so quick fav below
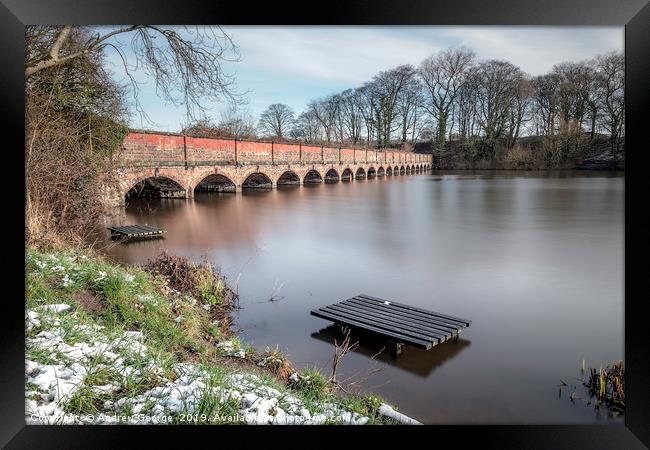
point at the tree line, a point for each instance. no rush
(452, 96)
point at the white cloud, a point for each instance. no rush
(344, 55)
(537, 49)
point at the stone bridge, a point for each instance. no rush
(173, 165)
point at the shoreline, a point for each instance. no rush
(108, 344)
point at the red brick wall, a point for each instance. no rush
(201, 149)
(151, 147)
(146, 147)
(285, 153)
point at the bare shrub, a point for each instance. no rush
(519, 157)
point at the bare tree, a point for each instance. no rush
(443, 75)
(76, 117)
(351, 106)
(307, 128)
(409, 102)
(611, 69)
(237, 122)
(383, 93)
(545, 89)
(186, 63)
(519, 107)
(496, 84)
(326, 112)
(277, 120)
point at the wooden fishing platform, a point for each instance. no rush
(399, 323)
(136, 232)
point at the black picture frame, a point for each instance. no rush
(634, 15)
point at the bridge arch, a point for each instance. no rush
(402, 170)
(372, 172)
(331, 176)
(396, 171)
(312, 176)
(347, 175)
(360, 174)
(215, 182)
(257, 180)
(156, 186)
(408, 170)
(381, 171)
(288, 178)
(389, 171)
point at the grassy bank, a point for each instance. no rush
(109, 344)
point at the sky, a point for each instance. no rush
(294, 65)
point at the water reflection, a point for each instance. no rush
(535, 260)
(413, 360)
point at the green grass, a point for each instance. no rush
(135, 299)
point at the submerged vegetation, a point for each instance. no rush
(608, 385)
(152, 344)
(605, 388)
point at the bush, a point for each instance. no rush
(519, 157)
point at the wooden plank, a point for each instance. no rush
(397, 310)
(132, 230)
(441, 336)
(413, 308)
(448, 317)
(443, 327)
(387, 308)
(129, 230)
(407, 328)
(416, 342)
(380, 324)
(146, 230)
(150, 228)
(384, 323)
(135, 231)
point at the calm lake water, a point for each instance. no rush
(535, 260)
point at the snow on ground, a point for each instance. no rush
(65, 353)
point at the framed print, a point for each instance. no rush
(398, 217)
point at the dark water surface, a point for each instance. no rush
(535, 260)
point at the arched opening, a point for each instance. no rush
(360, 174)
(396, 171)
(408, 170)
(381, 172)
(289, 178)
(215, 183)
(372, 172)
(156, 187)
(312, 177)
(389, 171)
(257, 180)
(332, 176)
(402, 170)
(346, 175)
